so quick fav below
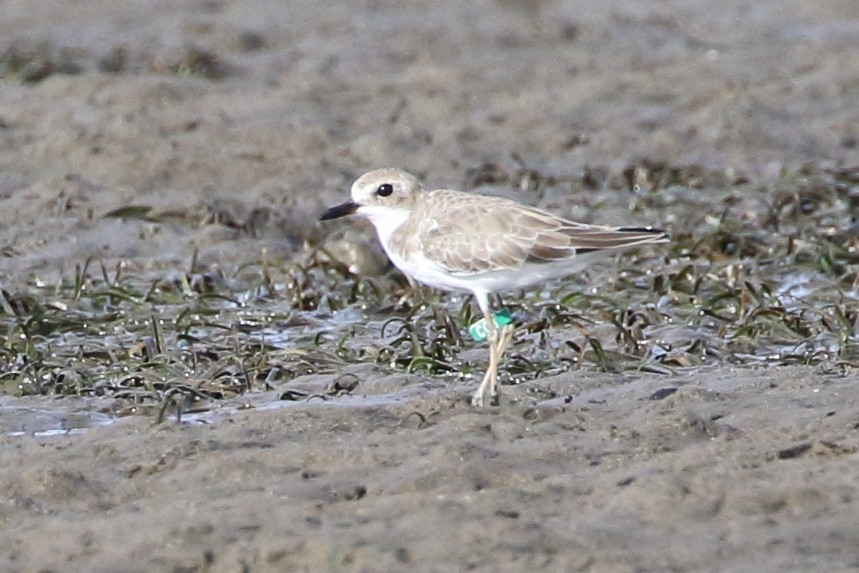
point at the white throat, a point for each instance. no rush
(385, 219)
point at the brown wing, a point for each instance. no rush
(470, 234)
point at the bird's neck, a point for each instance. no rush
(386, 220)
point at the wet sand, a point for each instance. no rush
(728, 469)
(733, 470)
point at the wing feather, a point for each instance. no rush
(471, 234)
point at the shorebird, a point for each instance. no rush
(453, 240)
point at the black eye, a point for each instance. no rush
(384, 190)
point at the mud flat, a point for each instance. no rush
(162, 166)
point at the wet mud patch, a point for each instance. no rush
(761, 277)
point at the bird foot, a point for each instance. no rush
(478, 400)
(489, 386)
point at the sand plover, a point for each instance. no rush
(454, 240)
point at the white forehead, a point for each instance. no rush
(364, 188)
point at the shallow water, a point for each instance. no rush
(48, 417)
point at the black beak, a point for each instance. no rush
(338, 211)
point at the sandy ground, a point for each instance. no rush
(738, 470)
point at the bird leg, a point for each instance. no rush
(496, 303)
(497, 345)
